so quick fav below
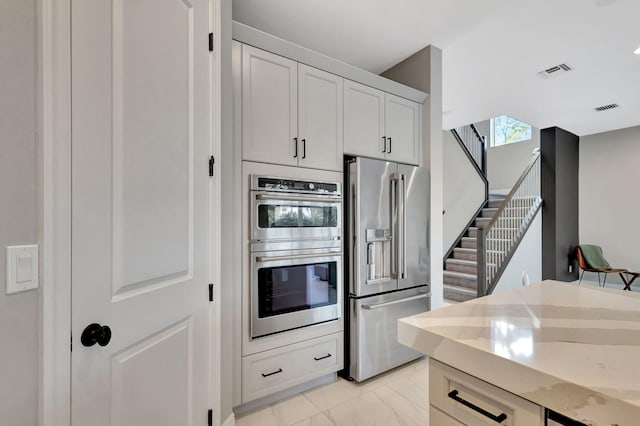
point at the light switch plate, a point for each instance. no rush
(22, 268)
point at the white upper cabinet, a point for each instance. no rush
(363, 120)
(402, 128)
(381, 125)
(269, 107)
(291, 113)
(319, 119)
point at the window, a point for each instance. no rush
(505, 129)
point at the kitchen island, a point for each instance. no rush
(573, 349)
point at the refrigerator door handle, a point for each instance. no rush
(396, 239)
(402, 246)
(394, 302)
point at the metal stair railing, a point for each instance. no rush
(498, 241)
(474, 146)
(474, 143)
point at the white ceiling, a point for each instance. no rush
(492, 51)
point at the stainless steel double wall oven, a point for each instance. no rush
(296, 253)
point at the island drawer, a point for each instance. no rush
(271, 371)
(476, 402)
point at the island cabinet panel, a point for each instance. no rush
(437, 417)
(269, 107)
(472, 401)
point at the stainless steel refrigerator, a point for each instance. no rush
(388, 261)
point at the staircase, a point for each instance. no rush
(477, 259)
(461, 267)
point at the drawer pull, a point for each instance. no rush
(499, 418)
(279, 370)
(322, 357)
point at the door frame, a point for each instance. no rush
(54, 129)
(54, 107)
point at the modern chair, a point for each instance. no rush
(591, 259)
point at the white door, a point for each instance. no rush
(363, 120)
(269, 108)
(402, 127)
(319, 118)
(140, 143)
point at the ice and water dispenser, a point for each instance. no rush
(378, 255)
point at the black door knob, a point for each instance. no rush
(96, 333)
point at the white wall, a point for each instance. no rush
(527, 260)
(19, 209)
(506, 163)
(609, 201)
(230, 217)
(463, 189)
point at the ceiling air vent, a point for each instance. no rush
(555, 70)
(607, 107)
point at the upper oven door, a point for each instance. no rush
(283, 216)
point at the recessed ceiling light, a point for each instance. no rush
(637, 51)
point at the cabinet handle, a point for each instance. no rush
(322, 357)
(279, 370)
(384, 147)
(499, 418)
(295, 140)
(389, 152)
(304, 149)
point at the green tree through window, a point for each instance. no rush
(509, 130)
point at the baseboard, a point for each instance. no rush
(231, 420)
(260, 403)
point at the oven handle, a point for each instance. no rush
(297, 198)
(393, 302)
(296, 256)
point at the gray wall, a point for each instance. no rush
(608, 196)
(559, 151)
(18, 209)
(463, 189)
(423, 71)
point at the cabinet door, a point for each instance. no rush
(363, 120)
(319, 119)
(402, 128)
(269, 107)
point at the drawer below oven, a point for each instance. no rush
(271, 371)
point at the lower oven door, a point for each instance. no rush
(292, 289)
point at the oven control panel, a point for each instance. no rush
(269, 183)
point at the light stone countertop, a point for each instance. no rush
(573, 349)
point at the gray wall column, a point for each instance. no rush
(559, 180)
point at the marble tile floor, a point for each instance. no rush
(399, 397)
